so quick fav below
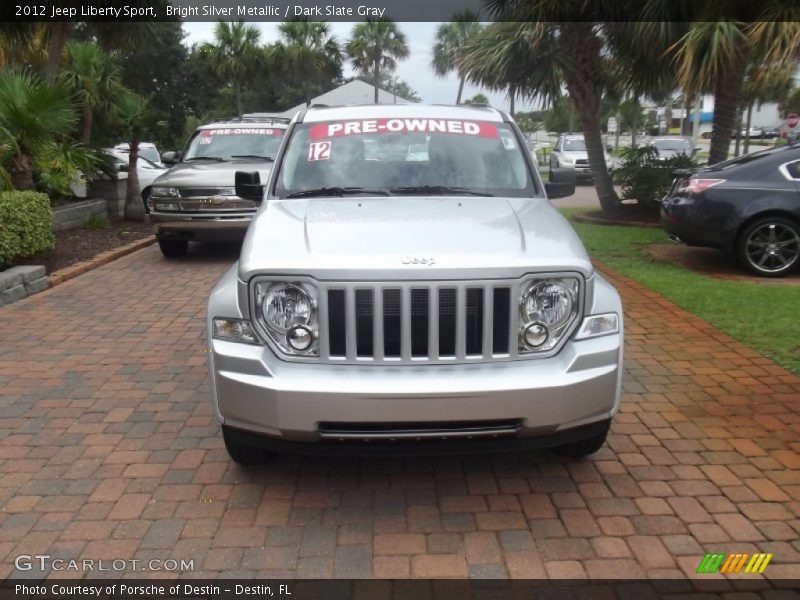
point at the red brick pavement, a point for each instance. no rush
(108, 450)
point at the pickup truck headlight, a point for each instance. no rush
(288, 312)
(165, 192)
(548, 307)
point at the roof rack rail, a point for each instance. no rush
(254, 117)
(319, 105)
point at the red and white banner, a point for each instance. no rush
(241, 131)
(376, 126)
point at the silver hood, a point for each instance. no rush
(208, 174)
(410, 238)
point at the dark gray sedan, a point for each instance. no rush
(749, 205)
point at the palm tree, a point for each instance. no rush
(376, 46)
(507, 56)
(94, 76)
(137, 115)
(234, 54)
(34, 116)
(452, 39)
(308, 52)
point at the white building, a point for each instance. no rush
(357, 92)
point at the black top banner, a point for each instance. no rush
(122, 11)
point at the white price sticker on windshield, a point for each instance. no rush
(319, 151)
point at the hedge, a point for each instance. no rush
(26, 225)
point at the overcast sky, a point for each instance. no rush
(415, 70)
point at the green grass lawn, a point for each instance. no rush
(764, 317)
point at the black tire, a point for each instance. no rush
(586, 446)
(244, 454)
(145, 198)
(770, 246)
(173, 248)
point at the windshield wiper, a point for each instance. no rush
(335, 191)
(437, 189)
(257, 156)
(215, 158)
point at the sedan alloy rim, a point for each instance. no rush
(773, 247)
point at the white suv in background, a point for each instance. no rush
(570, 151)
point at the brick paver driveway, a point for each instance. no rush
(109, 451)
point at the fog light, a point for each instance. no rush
(300, 338)
(535, 335)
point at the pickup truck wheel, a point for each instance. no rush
(586, 446)
(173, 248)
(244, 454)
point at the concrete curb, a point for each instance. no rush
(594, 220)
(99, 260)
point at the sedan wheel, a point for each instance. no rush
(770, 247)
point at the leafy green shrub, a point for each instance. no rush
(26, 225)
(95, 222)
(645, 178)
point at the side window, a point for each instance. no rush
(794, 169)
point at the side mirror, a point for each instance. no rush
(609, 148)
(170, 158)
(561, 184)
(248, 185)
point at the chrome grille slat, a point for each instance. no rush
(433, 323)
(350, 311)
(461, 322)
(488, 321)
(377, 326)
(405, 323)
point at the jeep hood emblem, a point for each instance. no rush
(419, 260)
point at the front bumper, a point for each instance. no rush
(201, 227)
(255, 392)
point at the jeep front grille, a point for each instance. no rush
(416, 322)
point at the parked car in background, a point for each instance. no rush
(570, 152)
(386, 305)
(749, 206)
(146, 150)
(752, 132)
(196, 200)
(147, 171)
(672, 146)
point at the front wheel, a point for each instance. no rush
(586, 446)
(770, 246)
(173, 248)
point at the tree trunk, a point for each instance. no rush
(376, 80)
(583, 74)
(55, 46)
(738, 132)
(134, 207)
(727, 98)
(86, 124)
(460, 89)
(747, 128)
(21, 171)
(616, 133)
(512, 94)
(239, 98)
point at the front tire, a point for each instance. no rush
(585, 447)
(173, 248)
(145, 199)
(242, 453)
(770, 246)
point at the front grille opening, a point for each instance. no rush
(447, 322)
(419, 322)
(391, 323)
(474, 321)
(411, 431)
(501, 320)
(337, 331)
(364, 322)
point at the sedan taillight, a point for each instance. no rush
(695, 186)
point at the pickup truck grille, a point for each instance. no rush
(416, 322)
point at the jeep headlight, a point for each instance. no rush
(288, 312)
(547, 308)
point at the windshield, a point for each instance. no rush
(230, 143)
(672, 145)
(404, 155)
(574, 145)
(150, 153)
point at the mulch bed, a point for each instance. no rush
(627, 217)
(79, 244)
(713, 263)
